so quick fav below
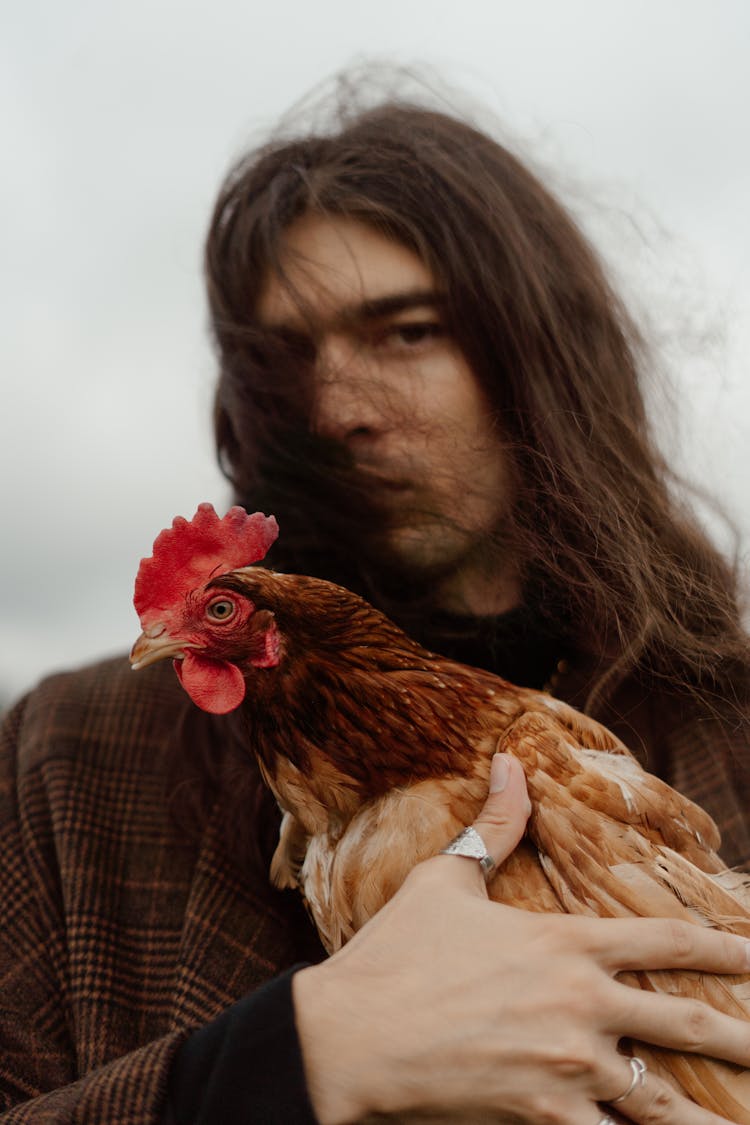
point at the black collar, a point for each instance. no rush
(519, 645)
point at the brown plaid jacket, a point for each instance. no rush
(117, 934)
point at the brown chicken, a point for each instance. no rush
(378, 753)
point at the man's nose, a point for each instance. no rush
(347, 402)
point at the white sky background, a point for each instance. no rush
(117, 123)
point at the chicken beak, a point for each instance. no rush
(147, 650)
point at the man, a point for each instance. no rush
(615, 579)
(426, 377)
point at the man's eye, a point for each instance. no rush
(220, 610)
(412, 334)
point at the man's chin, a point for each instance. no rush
(428, 551)
(459, 570)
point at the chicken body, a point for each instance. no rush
(378, 753)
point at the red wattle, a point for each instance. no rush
(214, 685)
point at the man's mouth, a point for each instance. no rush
(385, 479)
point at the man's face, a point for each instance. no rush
(393, 386)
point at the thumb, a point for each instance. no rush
(502, 820)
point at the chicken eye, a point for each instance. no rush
(220, 610)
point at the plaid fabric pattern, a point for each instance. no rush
(117, 934)
(706, 759)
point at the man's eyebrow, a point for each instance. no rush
(374, 308)
(370, 309)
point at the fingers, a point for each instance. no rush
(645, 1098)
(655, 1100)
(683, 1024)
(636, 1079)
(664, 943)
(500, 824)
(502, 821)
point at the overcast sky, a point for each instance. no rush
(118, 122)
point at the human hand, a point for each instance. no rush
(449, 1004)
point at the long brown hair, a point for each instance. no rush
(606, 547)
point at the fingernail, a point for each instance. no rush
(499, 772)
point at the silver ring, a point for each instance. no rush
(608, 1121)
(638, 1078)
(470, 844)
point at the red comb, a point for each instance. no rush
(189, 554)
